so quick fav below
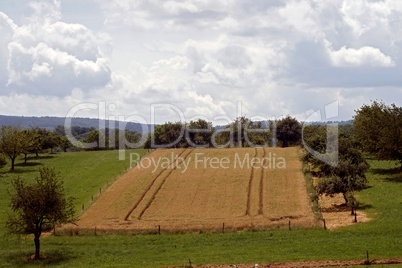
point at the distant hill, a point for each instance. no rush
(50, 122)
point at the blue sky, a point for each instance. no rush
(198, 58)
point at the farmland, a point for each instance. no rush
(206, 189)
(85, 172)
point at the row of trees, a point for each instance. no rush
(14, 142)
(378, 128)
(243, 132)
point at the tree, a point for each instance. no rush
(65, 143)
(11, 143)
(288, 131)
(49, 139)
(348, 176)
(199, 133)
(243, 132)
(31, 142)
(379, 129)
(169, 135)
(39, 207)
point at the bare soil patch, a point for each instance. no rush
(337, 214)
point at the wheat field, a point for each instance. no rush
(206, 189)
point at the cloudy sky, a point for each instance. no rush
(203, 58)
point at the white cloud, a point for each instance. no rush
(364, 56)
(50, 57)
(276, 57)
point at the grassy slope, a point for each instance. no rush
(382, 236)
(83, 173)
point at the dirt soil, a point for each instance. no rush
(337, 214)
(303, 264)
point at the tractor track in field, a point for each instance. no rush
(236, 195)
(249, 190)
(261, 200)
(164, 181)
(146, 191)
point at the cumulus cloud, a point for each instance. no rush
(275, 57)
(364, 56)
(49, 57)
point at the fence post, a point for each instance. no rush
(289, 226)
(367, 258)
(325, 225)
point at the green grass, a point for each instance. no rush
(85, 172)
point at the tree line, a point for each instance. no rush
(15, 141)
(242, 132)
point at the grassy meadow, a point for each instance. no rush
(85, 172)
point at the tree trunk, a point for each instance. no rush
(12, 164)
(25, 158)
(346, 198)
(37, 246)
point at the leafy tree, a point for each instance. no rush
(11, 143)
(65, 143)
(239, 130)
(314, 136)
(288, 131)
(39, 207)
(379, 129)
(31, 142)
(169, 135)
(50, 139)
(97, 138)
(199, 133)
(258, 134)
(243, 132)
(130, 138)
(348, 176)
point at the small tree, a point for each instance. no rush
(30, 142)
(11, 143)
(39, 207)
(348, 176)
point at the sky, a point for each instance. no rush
(161, 60)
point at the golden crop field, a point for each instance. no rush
(206, 189)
